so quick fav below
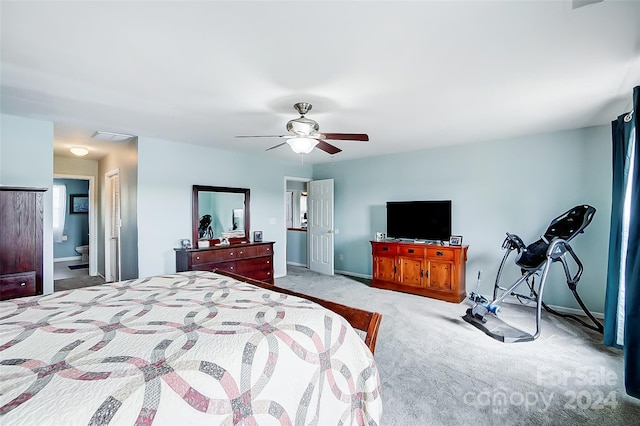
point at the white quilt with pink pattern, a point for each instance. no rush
(183, 349)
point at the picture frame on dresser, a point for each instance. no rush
(257, 236)
(455, 240)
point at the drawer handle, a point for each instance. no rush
(439, 253)
(23, 284)
(410, 250)
(268, 262)
(197, 257)
(240, 252)
(385, 248)
(231, 253)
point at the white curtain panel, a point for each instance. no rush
(59, 211)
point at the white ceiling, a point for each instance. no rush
(411, 75)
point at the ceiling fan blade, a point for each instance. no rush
(346, 136)
(276, 146)
(327, 147)
(264, 136)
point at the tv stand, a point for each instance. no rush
(425, 269)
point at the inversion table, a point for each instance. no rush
(534, 260)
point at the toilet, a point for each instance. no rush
(84, 251)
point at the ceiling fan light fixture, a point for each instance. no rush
(302, 145)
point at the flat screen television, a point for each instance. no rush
(419, 220)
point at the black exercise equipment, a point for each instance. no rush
(534, 260)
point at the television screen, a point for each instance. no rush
(419, 220)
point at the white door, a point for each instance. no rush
(320, 226)
(112, 227)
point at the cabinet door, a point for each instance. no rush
(441, 275)
(18, 243)
(411, 271)
(384, 268)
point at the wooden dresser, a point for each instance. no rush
(424, 269)
(252, 260)
(21, 248)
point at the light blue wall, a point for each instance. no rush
(76, 226)
(297, 247)
(26, 159)
(166, 173)
(517, 185)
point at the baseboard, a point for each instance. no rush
(337, 271)
(304, 265)
(353, 274)
(66, 259)
(561, 309)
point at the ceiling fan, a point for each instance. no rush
(304, 134)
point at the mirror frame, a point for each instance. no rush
(196, 220)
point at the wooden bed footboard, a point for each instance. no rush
(366, 321)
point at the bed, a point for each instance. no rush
(188, 348)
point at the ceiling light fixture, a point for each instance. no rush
(111, 136)
(302, 145)
(79, 151)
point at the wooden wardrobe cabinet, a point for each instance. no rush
(252, 260)
(21, 248)
(424, 269)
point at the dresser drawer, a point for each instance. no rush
(255, 264)
(266, 276)
(439, 253)
(385, 249)
(249, 251)
(410, 251)
(212, 256)
(264, 250)
(227, 266)
(17, 285)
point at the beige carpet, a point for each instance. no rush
(78, 282)
(437, 369)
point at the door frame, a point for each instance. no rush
(93, 218)
(284, 221)
(107, 227)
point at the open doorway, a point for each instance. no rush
(75, 227)
(296, 220)
(310, 203)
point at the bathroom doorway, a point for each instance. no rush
(74, 216)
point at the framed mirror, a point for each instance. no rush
(220, 212)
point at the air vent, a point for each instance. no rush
(112, 137)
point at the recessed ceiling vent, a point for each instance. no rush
(112, 137)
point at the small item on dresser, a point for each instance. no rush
(257, 236)
(203, 243)
(223, 242)
(185, 243)
(455, 240)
